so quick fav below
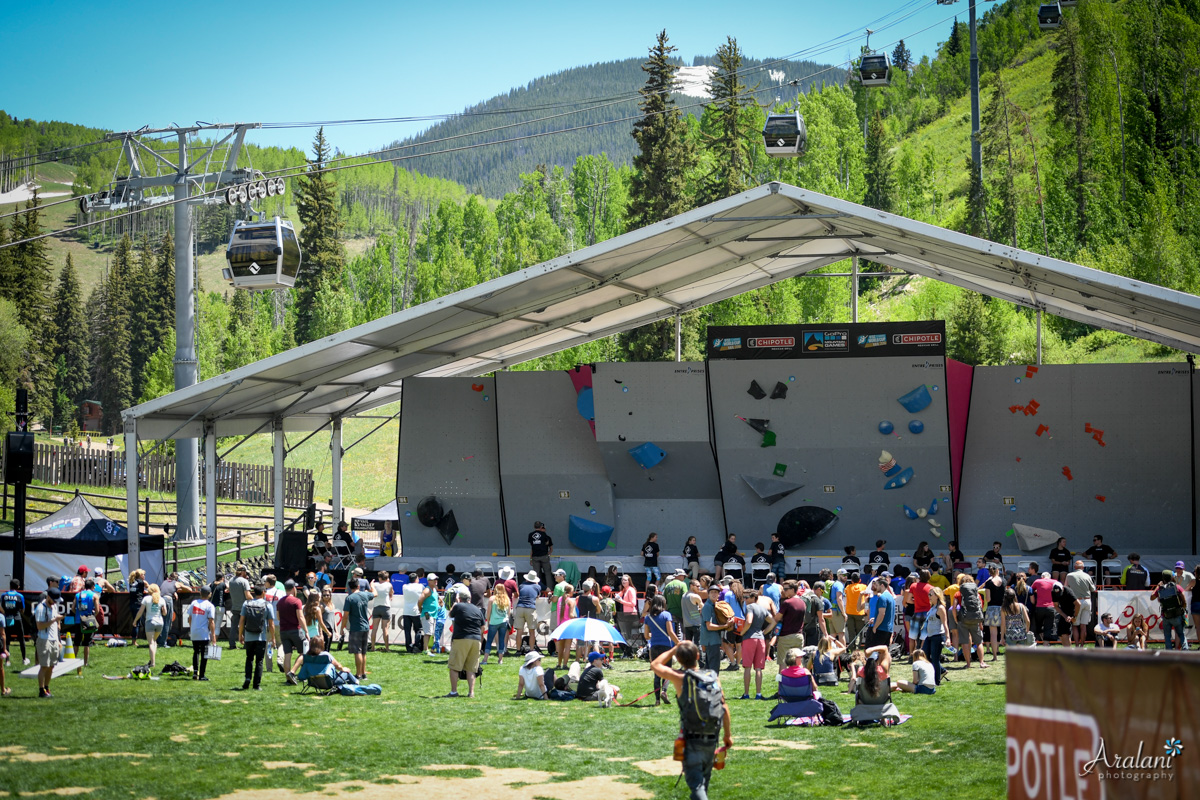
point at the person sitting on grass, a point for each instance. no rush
(590, 680)
(531, 678)
(922, 682)
(873, 691)
(1107, 632)
(318, 661)
(1138, 632)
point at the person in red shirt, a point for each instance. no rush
(1043, 612)
(921, 604)
(292, 629)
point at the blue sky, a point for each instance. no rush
(113, 65)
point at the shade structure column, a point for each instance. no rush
(336, 452)
(279, 453)
(210, 501)
(131, 494)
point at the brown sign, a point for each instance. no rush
(1101, 725)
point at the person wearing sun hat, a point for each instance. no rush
(531, 678)
(525, 611)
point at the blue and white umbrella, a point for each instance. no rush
(586, 629)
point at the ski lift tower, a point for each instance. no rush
(185, 183)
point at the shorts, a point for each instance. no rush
(86, 635)
(47, 652)
(153, 629)
(464, 655)
(427, 624)
(836, 624)
(1061, 626)
(876, 638)
(754, 653)
(1085, 612)
(292, 641)
(969, 631)
(524, 618)
(991, 617)
(921, 688)
(381, 612)
(357, 644)
(731, 637)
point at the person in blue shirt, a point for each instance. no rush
(881, 613)
(12, 605)
(86, 603)
(660, 633)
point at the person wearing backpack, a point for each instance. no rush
(969, 619)
(703, 714)
(256, 626)
(12, 603)
(1170, 597)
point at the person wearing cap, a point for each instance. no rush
(102, 585)
(673, 593)
(711, 630)
(689, 613)
(525, 610)
(356, 622)
(431, 613)
(81, 575)
(292, 629)
(466, 640)
(410, 613)
(47, 619)
(836, 586)
(1170, 597)
(589, 679)
(560, 583)
(239, 593)
(541, 547)
(203, 631)
(531, 678)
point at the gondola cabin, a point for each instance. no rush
(1049, 16)
(1068, 3)
(785, 135)
(263, 255)
(875, 69)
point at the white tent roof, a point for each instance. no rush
(741, 243)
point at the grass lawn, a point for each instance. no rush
(167, 739)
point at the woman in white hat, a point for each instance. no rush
(531, 678)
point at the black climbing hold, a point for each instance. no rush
(756, 391)
(780, 391)
(803, 524)
(429, 511)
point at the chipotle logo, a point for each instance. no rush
(916, 338)
(772, 341)
(1047, 751)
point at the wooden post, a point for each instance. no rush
(237, 553)
(267, 539)
(174, 557)
(147, 516)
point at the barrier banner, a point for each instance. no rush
(1102, 724)
(118, 616)
(1124, 605)
(923, 339)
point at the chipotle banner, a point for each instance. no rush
(1099, 724)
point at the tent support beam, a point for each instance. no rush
(386, 420)
(278, 453)
(336, 451)
(131, 494)
(210, 501)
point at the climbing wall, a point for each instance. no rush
(801, 448)
(1077, 450)
(448, 451)
(550, 465)
(668, 483)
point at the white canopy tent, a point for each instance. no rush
(753, 239)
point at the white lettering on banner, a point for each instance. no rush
(772, 341)
(1046, 750)
(1124, 605)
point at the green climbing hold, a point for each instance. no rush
(1010, 532)
(768, 439)
(780, 469)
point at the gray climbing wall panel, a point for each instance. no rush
(448, 449)
(827, 435)
(1143, 471)
(547, 448)
(664, 403)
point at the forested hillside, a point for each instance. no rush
(1091, 151)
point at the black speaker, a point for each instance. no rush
(18, 458)
(310, 517)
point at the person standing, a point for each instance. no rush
(1135, 574)
(1066, 607)
(710, 630)
(1082, 586)
(411, 613)
(273, 592)
(47, 618)
(1170, 598)
(541, 547)
(837, 599)
(660, 634)
(220, 600)
(256, 627)
(466, 641)
(497, 611)
(480, 587)
(881, 614)
(356, 619)
(994, 588)
(203, 631)
(699, 731)
(754, 645)
(149, 615)
(627, 608)
(673, 593)
(381, 609)
(856, 607)
(691, 557)
(650, 559)
(239, 593)
(525, 612)
(292, 629)
(137, 591)
(168, 590)
(689, 614)
(86, 604)
(12, 604)
(792, 612)
(934, 630)
(778, 556)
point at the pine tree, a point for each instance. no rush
(996, 134)
(954, 43)
(901, 56)
(8, 275)
(142, 323)
(1069, 90)
(878, 172)
(72, 352)
(162, 299)
(658, 189)
(33, 276)
(115, 343)
(316, 205)
(730, 144)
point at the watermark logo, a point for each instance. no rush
(1173, 747)
(1135, 767)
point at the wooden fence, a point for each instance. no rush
(55, 464)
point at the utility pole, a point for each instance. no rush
(187, 451)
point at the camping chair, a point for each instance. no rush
(1090, 567)
(797, 698)
(321, 684)
(874, 710)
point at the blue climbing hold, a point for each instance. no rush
(886, 427)
(916, 400)
(908, 512)
(585, 405)
(916, 426)
(588, 535)
(647, 455)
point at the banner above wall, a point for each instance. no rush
(863, 339)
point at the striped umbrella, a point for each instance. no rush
(587, 629)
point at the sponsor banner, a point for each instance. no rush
(1095, 724)
(1124, 605)
(920, 339)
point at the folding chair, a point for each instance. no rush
(1089, 566)
(734, 569)
(758, 574)
(1110, 572)
(320, 684)
(1023, 566)
(487, 569)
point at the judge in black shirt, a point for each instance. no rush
(1060, 560)
(691, 557)
(879, 555)
(728, 552)
(541, 546)
(851, 557)
(650, 559)
(1099, 551)
(778, 556)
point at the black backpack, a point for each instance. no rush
(255, 616)
(702, 703)
(972, 606)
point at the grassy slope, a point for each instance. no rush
(206, 741)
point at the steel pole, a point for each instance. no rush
(187, 453)
(854, 288)
(976, 154)
(678, 338)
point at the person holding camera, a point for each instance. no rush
(1170, 597)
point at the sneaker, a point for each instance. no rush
(452, 694)
(246, 687)
(744, 697)
(759, 697)
(25, 662)
(291, 679)
(202, 679)
(258, 688)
